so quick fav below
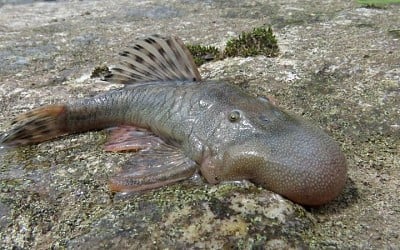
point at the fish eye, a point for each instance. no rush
(234, 115)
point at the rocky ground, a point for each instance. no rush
(339, 66)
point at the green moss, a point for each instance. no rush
(100, 71)
(260, 41)
(202, 54)
(377, 4)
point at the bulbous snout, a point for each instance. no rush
(300, 162)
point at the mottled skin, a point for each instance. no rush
(194, 124)
(230, 134)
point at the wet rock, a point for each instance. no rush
(338, 66)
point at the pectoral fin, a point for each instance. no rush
(128, 138)
(153, 168)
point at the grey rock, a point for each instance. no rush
(339, 66)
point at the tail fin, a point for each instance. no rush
(35, 126)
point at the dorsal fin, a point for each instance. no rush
(155, 58)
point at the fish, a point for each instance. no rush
(179, 124)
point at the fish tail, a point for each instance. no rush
(40, 124)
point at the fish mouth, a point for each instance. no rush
(309, 169)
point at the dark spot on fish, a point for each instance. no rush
(152, 57)
(161, 51)
(139, 59)
(150, 40)
(263, 118)
(138, 47)
(169, 42)
(124, 53)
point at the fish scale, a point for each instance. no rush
(180, 124)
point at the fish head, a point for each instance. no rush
(280, 152)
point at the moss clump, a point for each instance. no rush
(376, 4)
(100, 71)
(202, 54)
(260, 41)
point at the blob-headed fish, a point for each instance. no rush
(181, 124)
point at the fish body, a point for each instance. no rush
(180, 123)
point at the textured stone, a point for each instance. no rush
(339, 66)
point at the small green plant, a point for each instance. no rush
(100, 71)
(377, 4)
(202, 54)
(259, 41)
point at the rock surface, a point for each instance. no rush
(339, 66)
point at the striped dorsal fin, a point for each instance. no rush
(155, 58)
